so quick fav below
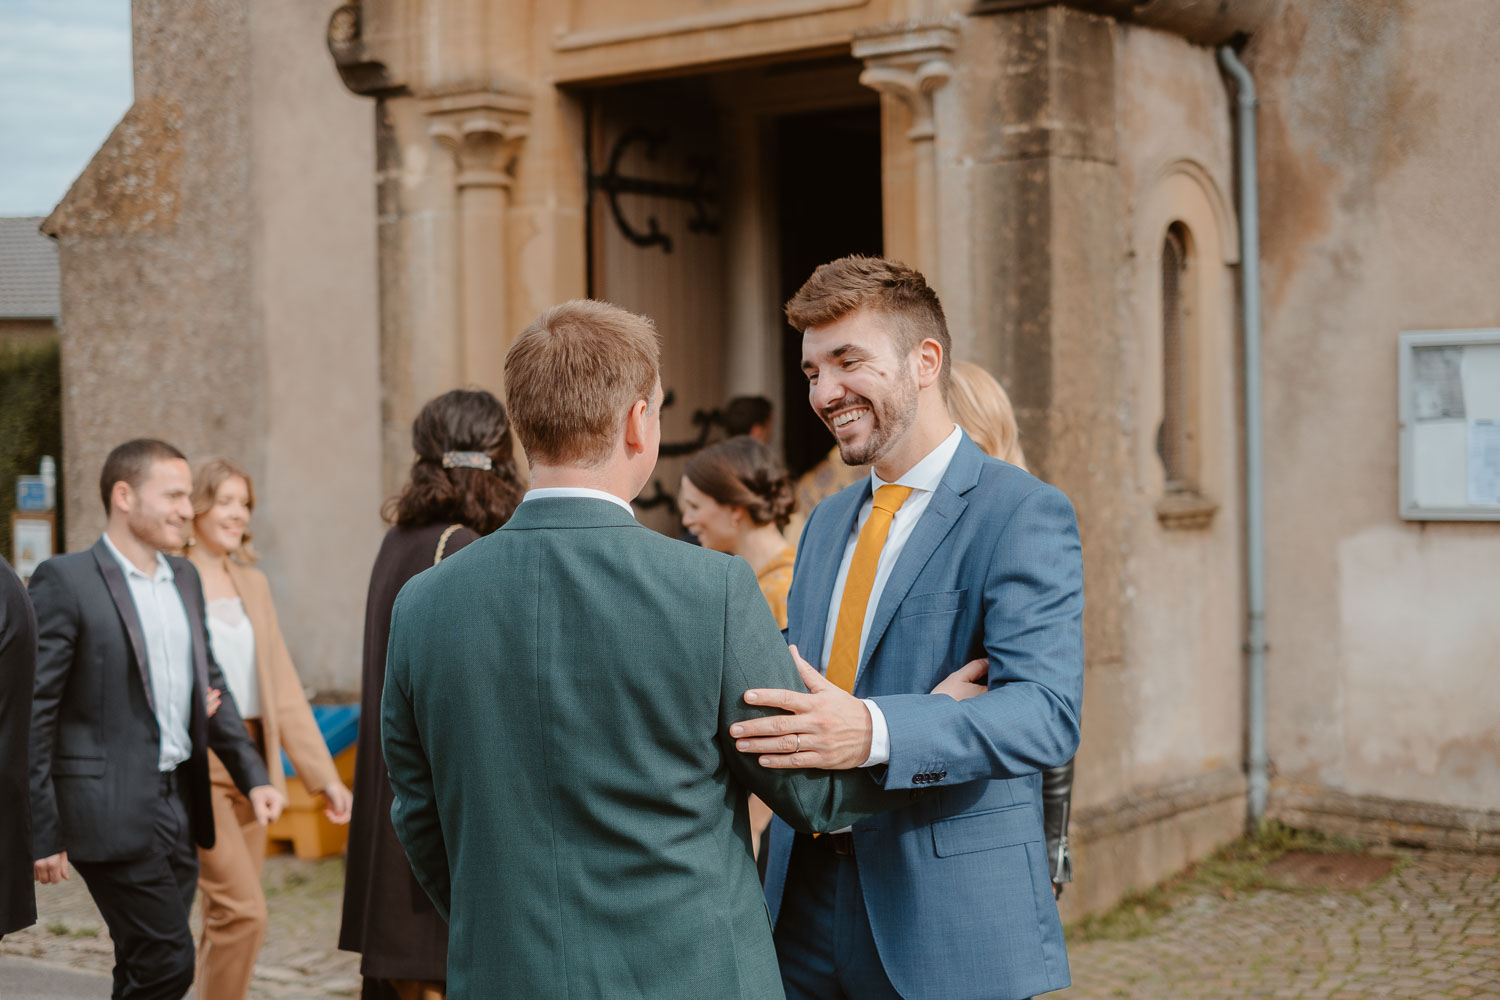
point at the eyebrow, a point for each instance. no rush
(836, 353)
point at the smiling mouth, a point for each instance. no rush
(848, 417)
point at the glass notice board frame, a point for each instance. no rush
(1450, 425)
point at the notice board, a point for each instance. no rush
(1450, 425)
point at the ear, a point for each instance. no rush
(929, 363)
(121, 496)
(635, 427)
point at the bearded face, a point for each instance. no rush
(860, 385)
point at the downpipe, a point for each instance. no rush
(1255, 556)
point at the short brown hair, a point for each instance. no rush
(207, 479)
(131, 462)
(742, 472)
(572, 375)
(848, 284)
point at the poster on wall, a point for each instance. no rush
(30, 543)
(1450, 425)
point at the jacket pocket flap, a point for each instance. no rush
(89, 767)
(931, 604)
(986, 831)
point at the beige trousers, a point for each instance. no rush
(234, 908)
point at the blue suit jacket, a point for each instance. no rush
(957, 887)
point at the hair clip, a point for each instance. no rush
(467, 460)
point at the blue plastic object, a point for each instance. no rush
(339, 725)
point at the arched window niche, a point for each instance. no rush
(1189, 240)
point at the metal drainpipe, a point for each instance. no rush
(1255, 555)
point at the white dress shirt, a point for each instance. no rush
(923, 478)
(169, 652)
(549, 492)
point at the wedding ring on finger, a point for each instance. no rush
(798, 748)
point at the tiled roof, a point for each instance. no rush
(28, 270)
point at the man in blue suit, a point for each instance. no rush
(942, 555)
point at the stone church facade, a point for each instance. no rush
(307, 243)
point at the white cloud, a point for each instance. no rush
(65, 81)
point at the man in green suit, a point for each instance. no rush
(557, 709)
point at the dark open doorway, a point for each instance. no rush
(828, 198)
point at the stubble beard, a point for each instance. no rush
(892, 418)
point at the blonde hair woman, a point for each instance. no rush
(247, 643)
(980, 406)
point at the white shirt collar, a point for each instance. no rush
(551, 492)
(928, 473)
(163, 568)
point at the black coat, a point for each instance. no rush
(95, 742)
(388, 917)
(17, 673)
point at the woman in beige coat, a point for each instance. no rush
(248, 646)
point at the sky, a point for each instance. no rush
(65, 82)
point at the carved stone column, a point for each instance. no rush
(484, 133)
(910, 63)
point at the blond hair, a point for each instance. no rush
(980, 406)
(207, 479)
(571, 377)
(900, 293)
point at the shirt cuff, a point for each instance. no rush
(880, 736)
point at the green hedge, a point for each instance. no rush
(30, 421)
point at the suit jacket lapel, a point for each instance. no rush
(192, 603)
(114, 579)
(822, 566)
(942, 513)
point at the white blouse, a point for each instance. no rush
(233, 641)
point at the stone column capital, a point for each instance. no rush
(484, 132)
(909, 60)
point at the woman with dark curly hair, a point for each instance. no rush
(464, 484)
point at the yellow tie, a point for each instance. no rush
(843, 659)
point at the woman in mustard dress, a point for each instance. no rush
(736, 497)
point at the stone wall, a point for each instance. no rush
(217, 273)
(1380, 214)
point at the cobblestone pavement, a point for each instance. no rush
(300, 958)
(1429, 929)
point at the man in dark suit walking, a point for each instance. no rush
(120, 728)
(17, 671)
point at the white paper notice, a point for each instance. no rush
(1484, 462)
(31, 544)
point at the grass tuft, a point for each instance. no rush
(1233, 870)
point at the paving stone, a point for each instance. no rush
(1431, 928)
(1428, 928)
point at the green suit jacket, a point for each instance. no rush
(556, 723)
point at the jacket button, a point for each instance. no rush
(918, 778)
(941, 775)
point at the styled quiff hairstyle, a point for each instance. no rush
(131, 463)
(888, 287)
(980, 406)
(573, 374)
(479, 499)
(207, 479)
(742, 472)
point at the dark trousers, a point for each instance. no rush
(145, 903)
(823, 938)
